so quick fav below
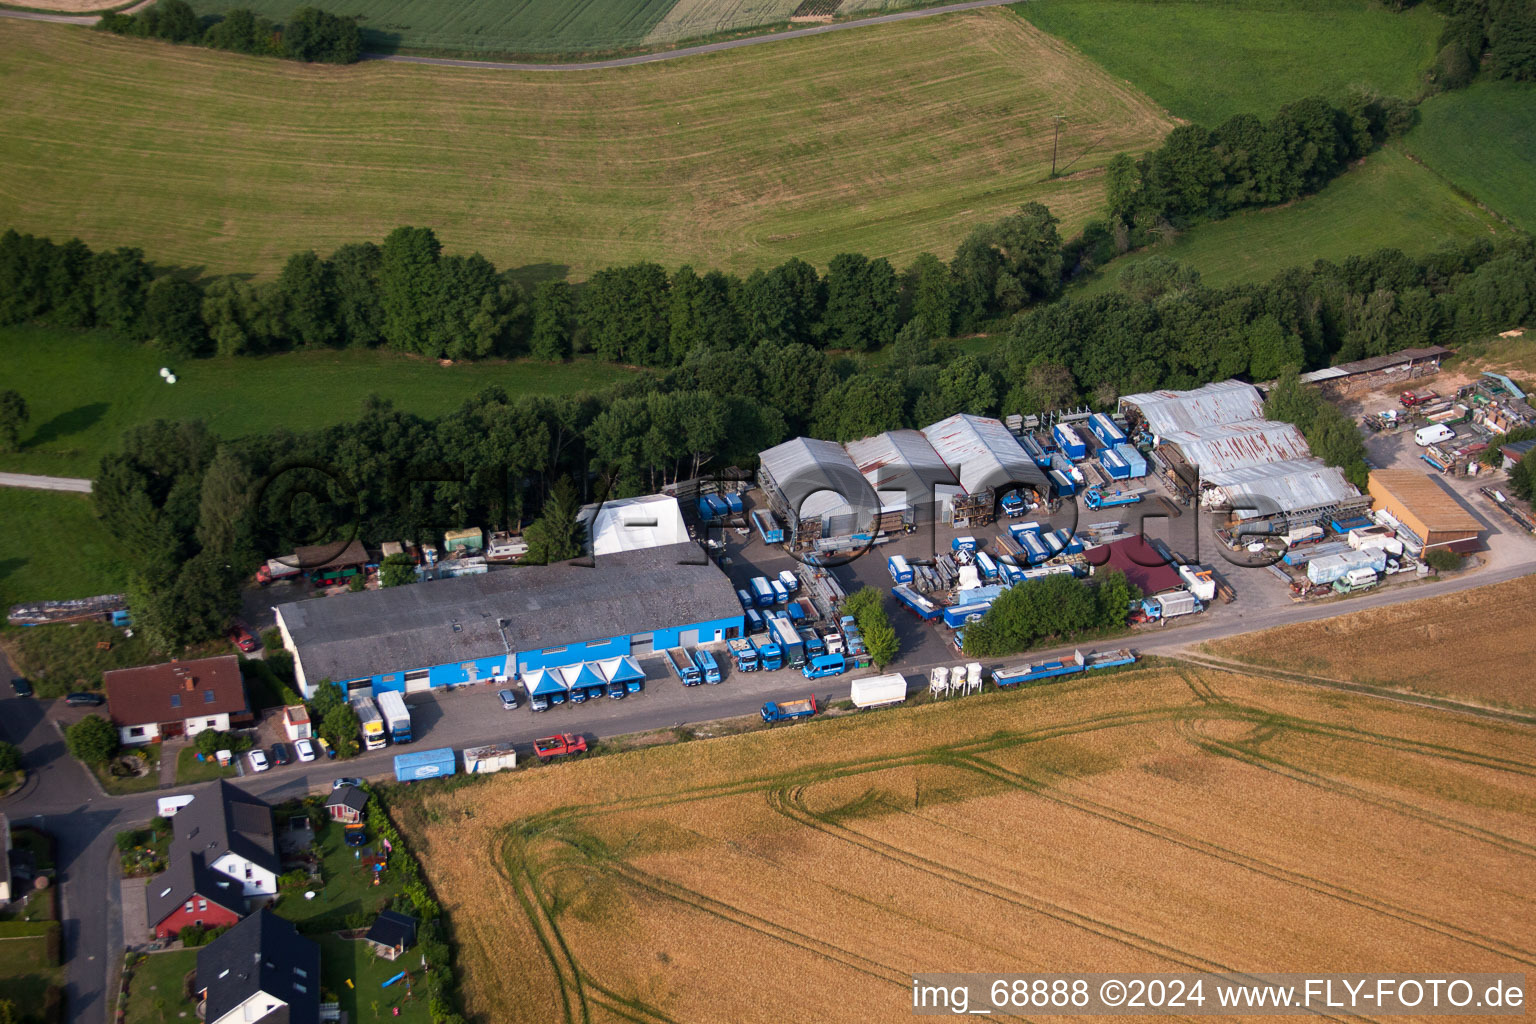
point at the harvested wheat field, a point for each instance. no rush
(1157, 819)
(1475, 645)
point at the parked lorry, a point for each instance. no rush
(1201, 582)
(878, 691)
(565, 744)
(769, 654)
(1335, 567)
(708, 666)
(768, 526)
(824, 665)
(762, 591)
(278, 569)
(780, 594)
(1409, 399)
(1171, 606)
(682, 665)
(814, 645)
(1362, 578)
(788, 638)
(425, 764)
(1013, 504)
(1097, 498)
(789, 710)
(743, 652)
(755, 621)
(370, 722)
(1303, 535)
(790, 581)
(397, 717)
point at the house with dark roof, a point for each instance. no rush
(223, 853)
(179, 698)
(346, 804)
(491, 627)
(262, 971)
(392, 934)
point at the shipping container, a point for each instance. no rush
(762, 591)
(1106, 430)
(733, 503)
(397, 717)
(1133, 459)
(1336, 567)
(489, 759)
(768, 527)
(1069, 441)
(878, 691)
(900, 570)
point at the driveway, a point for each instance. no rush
(29, 480)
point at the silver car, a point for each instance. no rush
(508, 698)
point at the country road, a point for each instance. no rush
(598, 65)
(46, 483)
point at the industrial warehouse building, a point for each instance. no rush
(954, 470)
(486, 628)
(1425, 515)
(1215, 438)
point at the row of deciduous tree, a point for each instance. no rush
(310, 34)
(1053, 607)
(407, 295)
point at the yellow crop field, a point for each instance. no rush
(1476, 645)
(887, 141)
(1159, 819)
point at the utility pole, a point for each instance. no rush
(1057, 118)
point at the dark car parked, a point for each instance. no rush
(22, 687)
(280, 755)
(85, 700)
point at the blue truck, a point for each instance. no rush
(789, 710)
(769, 654)
(1096, 498)
(986, 566)
(1014, 504)
(683, 666)
(788, 638)
(790, 580)
(797, 611)
(744, 597)
(755, 621)
(708, 666)
(916, 603)
(768, 526)
(780, 595)
(425, 764)
(825, 665)
(744, 652)
(815, 646)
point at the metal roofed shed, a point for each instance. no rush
(1221, 402)
(818, 489)
(318, 557)
(1430, 512)
(1232, 445)
(903, 469)
(633, 524)
(539, 614)
(1291, 486)
(982, 454)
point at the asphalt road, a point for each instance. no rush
(598, 65)
(45, 483)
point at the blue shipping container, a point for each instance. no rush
(1070, 442)
(1106, 430)
(1134, 459)
(425, 764)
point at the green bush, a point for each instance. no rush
(93, 739)
(10, 757)
(1441, 560)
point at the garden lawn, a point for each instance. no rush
(190, 770)
(1386, 202)
(886, 140)
(348, 888)
(1208, 59)
(85, 388)
(25, 975)
(155, 991)
(352, 959)
(1483, 138)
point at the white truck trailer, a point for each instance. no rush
(397, 717)
(878, 691)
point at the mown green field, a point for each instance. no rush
(84, 389)
(1483, 139)
(886, 140)
(53, 547)
(1388, 201)
(1208, 59)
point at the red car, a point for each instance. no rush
(242, 638)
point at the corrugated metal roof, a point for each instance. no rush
(817, 479)
(1226, 401)
(1421, 495)
(1291, 486)
(1229, 446)
(981, 453)
(1328, 373)
(900, 462)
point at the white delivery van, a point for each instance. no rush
(1426, 436)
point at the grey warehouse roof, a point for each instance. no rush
(901, 462)
(350, 636)
(982, 454)
(817, 478)
(1168, 412)
(1229, 446)
(1282, 486)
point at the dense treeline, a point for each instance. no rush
(1053, 607)
(408, 296)
(310, 35)
(1201, 173)
(1492, 37)
(196, 514)
(1331, 435)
